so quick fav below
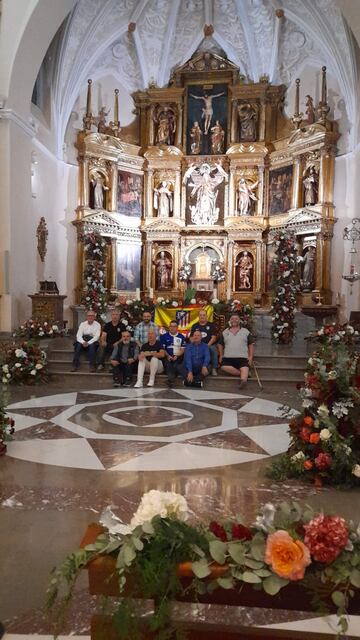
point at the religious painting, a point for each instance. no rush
(244, 271)
(207, 113)
(130, 194)
(280, 190)
(128, 266)
(163, 270)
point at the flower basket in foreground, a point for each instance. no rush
(289, 558)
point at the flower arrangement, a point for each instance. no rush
(218, 271)
(185, 272)
(95, 294)
(285, 544)
(230, 307)
(35, 328)
(285, 283)
(24, 364)
(6, 430)
(325, 436)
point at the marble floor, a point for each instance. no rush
(80, 445)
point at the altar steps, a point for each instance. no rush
(271, 368)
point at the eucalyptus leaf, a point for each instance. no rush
(253, 564)
(226, 583)
(217, 551)
(201, 568)
(197, 550)
(273, 584)
(138, 544)
(148, 528)
(129, 554)
(251, 578)
(355, 578)
(338, 599)
(236, 552)
(263, 573)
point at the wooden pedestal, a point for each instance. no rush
(48, 306)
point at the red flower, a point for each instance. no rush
(326, 536)
(218, 530)
(240, 532)
(305, 434)
(323, 461)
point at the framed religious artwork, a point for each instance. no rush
(130, 194)
(280, 190)
(207, 119)
(128, 266)
(244, 271)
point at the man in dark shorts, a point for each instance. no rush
(236, 348)
(209, 336)
(110, 336)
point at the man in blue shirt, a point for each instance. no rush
(197, 361)
(173, 343)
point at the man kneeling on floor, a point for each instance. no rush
(236, 348)
(150, 359)
(197, 361)
(123, 360)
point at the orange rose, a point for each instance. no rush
(286, 556)
(308, 465)
(314, 438)
(309, 421)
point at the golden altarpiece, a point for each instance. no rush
(190, 195)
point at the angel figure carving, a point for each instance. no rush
(205, 182)
(163, 200)
(246, 194)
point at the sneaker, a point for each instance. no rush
(150, 383)
(214, 372)
(116, 385)
(138, 384)
(242, 384)
(127, 382)
(100, 367)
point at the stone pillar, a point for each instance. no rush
(296, 196)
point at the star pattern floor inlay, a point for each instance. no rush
(147, 429)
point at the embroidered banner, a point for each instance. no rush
(184, 316)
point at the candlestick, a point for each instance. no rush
(137, 294)
(297, 117)
(151, 292)
(87, 119)
(323, 86)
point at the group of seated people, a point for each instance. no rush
(150, 351)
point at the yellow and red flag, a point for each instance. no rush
(184, 316)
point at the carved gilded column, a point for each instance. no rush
(177, 194)
(176, 265)
(260, 202)
(323, 263)
(326, 178)
(113, 263)
(148, 262)
(151, 125)
(113, 187)
(84, 181)
(229, 274)
(233, 131)
(296, 184)
(178, 141)
(232, 193)
(259, 266)
(149, 194)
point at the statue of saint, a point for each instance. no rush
(163, 271)
(310, 110)
(245, 265)
(163, 200)
(248, 117)
(99, 185)
(217, 138)
(207, 111)
(311, 187)
(196, 137)
(245, 196)
(205, 182)
(166, 126)
(101, 120)
(309, 269)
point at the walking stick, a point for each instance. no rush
(257, 376)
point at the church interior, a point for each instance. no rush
(170, 157)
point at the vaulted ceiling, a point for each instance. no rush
(140, 41)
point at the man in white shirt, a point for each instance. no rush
(87, 339)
